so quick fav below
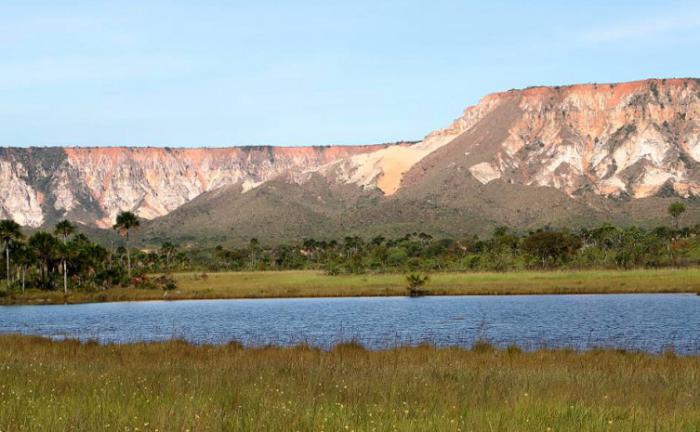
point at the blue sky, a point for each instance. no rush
(221, 73)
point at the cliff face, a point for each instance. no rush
(91, 185)
(384, 169)
(616, 142)
(633, 140)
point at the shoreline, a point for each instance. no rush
(313, 284)
(339, 297)
(478, 346)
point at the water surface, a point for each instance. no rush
(648, 322)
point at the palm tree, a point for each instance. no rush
(44, 246)
(9, 233)
(676, 210)
(254, 245)
(126, 221)
(24, 259)
(168, 249)
(64, 229)
(416, 281)
(85, 257)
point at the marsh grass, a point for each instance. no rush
(318, 284)
(175, 386)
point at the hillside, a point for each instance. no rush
(574, 155)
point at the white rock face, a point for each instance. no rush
(634, 140)
(148, 181)
(384, 169)
(18, 200)
(485, 172)
(694, 146)
(613, 140)
(65, 200)
(153, 182)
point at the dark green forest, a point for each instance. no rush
(65, 259)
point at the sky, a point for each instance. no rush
(297, 73)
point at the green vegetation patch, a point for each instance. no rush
(175, 386)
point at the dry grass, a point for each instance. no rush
(176, 387)
(317, 284)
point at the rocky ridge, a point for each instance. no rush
(592, 142)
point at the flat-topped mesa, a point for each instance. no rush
(614, 139)
(622, 141)
(92, 184)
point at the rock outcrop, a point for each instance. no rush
(633, 139)
(91, 185)
(614, 142)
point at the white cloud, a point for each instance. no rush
(643, 28)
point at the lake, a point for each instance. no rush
(646, 322)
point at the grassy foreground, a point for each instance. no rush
(318, 284)
(174, 386)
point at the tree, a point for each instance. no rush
(24, 258)
(416, 281)
(676, 210)
(168, 249)
(89, 261)
(254, 245)
(352, 245)
(425, 238)
(63, 253)
(85, 257)
(126, 221)
(44, 246)
(378, 240)
(64, 229)
(550, 246)
(9, 233)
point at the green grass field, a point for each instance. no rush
(178, 387)
(318, 284)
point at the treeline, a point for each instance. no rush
(604, 247)
(69, 260)
(63, 259)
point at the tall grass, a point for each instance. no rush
(317, 284)
(174, 386)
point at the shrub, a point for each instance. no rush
(416, 281)
(166, 282)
